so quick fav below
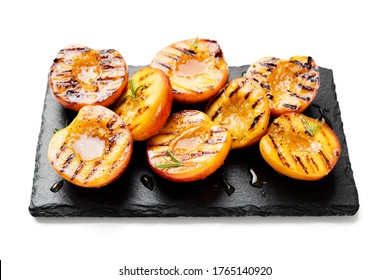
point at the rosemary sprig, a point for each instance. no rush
(58, 129)
(195, 45)
(175, 162)
(133, 90)
(311, 127)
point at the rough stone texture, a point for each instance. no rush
(336, 194)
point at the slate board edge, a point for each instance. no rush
(249, 210)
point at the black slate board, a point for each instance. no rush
(228, 192)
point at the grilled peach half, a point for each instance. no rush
(243, 108)
(83, 76)
(146, 104)
(196, 68)
(291, 85)
(190, 147)
(300, 147)
(94, 150)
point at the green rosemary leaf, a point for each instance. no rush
(58, 129)
(175, 162)
(133, 91)
(311, 128)
(195, 45)
(131, 82)
(167, 165)
(173, 157)
(136, 90)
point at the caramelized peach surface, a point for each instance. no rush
(300, 147)
(196, 68)
(243, 108)
(82, 76)
(291, 85)
(94, 150)
(190, 147)
(146, 103)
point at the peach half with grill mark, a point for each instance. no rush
(300, 147)
(82, 76)
(190, 147)
(94, 150)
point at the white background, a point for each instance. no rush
(350, 38)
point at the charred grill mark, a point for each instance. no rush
(142, 110)
(255, 120)
(215, 141)
(97, 163)
(67, 162)
(75, 49)
(269, 65)
(59, 59)
(77, 170)
(217, 130)
(314, 163)
(247, 95)
(305, 87)
(219, 53)
(169, 133)
(300, 97)
(310, 78)
(110, 67)
(290, 106)
(281, 157)
(134, 127)
(99, 117)
(194, 121)
(164, 65)
(62, 73)
(239, 86)
(172, 57)
(255, 103)
(216, 113)
(114, 165)
(108, 80)
(72, 92)
(148, 74)
(301, 64)
(106, 52)
(233, 92)
(308, 65)
(186, 51)
(325, 137)
(201, 153)
(64, 84)
(299, 161)
(111, 123)
(111, 142)
(325, 159)
(265, 86)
